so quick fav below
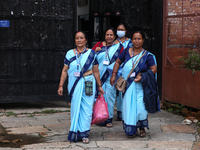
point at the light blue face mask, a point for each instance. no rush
(121, 33)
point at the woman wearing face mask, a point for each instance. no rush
(107, 52)
(126, 42)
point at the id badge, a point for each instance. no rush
(132, 75)
(106, 62)
(77, 74)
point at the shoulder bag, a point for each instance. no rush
(88, 85)
(121, 82)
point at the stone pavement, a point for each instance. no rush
(30, 128)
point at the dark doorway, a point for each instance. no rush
(145, 15)
(99, 25)
(83, 23)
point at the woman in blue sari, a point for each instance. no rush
(78, 65)
(107, 52)
(126, 42)
(134, 113)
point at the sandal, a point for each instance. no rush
(85, 140)
(109, 125)
(117, 119)
(142, 133)
(132, 136)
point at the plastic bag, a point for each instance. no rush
(100, 111)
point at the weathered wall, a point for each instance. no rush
(32, 49)
(183, 26)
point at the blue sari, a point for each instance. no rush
(134, 114)
(127, 44)
(110, 91)
(81, 104)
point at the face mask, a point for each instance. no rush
(121, 33)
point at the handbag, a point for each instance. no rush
(121, 82)
(100, 110)
(88, 85)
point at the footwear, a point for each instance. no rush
(142, 133)
(117, 119)
(109, 125)
(132, 136)
(85, 140)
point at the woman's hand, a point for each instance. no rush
(60, 91)
(100, 89)
(97, 49)
(112, 79)
(138, 78)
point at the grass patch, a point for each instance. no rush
(50, 111)
(10, 113)
(30, 116)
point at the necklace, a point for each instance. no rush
(80, 51)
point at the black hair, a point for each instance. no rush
(125, 26)
(138, 31)
(81, 32)
(110, 28)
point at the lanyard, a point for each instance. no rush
(78, 59)
(133, 62)
(121, 41)
(107, 50)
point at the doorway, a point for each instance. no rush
(100, 23)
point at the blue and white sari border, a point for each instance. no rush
(132, 129)
(77, 136)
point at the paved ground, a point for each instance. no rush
(33, 126)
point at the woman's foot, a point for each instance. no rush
(142, 132)
(85, 140)
(109, 125)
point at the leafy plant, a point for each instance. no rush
(192, 61)
(170, 109)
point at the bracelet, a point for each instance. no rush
(114, 72)
(99, 86)
(60, 86)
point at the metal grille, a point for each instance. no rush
(32, 49)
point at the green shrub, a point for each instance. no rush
(192, 61)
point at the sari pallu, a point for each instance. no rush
(110, 91)
(127, 44)
(134, 114)
(81, 104)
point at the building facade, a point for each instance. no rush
(38, 34)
